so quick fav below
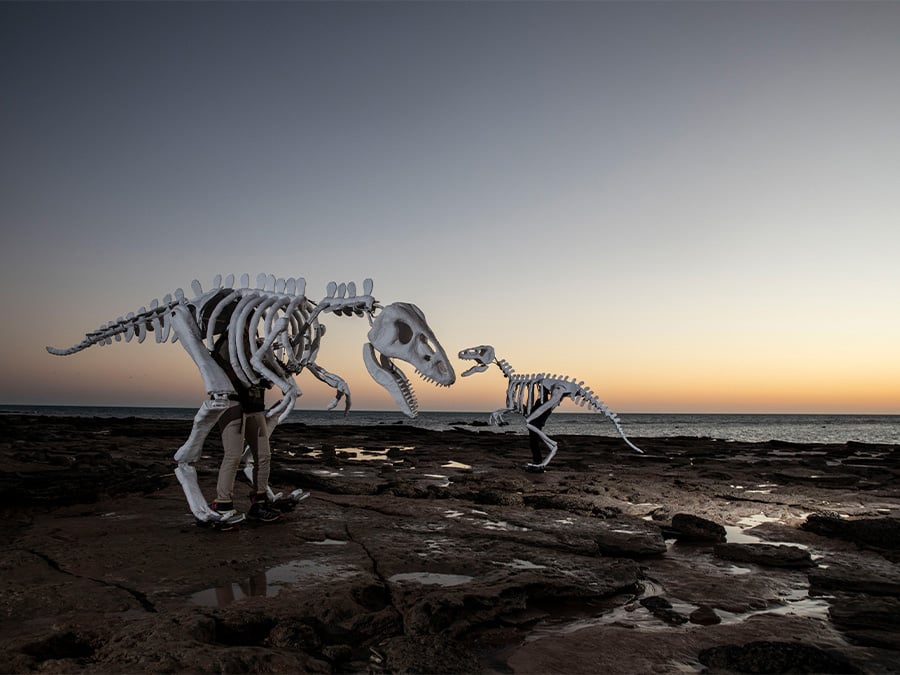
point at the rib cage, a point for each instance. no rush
(524, 390)
(274, 322)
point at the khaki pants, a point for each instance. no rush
(237, 430)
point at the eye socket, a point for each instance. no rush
(404, 332)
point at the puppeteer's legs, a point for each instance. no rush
(534, 440)
(232, 427)
(257, 460)
(257, 436)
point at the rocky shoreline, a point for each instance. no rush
(435, 552)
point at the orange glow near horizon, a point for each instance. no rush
(164, 376)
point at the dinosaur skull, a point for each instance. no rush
(400, 331)
(482, 355)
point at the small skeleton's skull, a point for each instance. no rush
(400, 331)
(483, 355)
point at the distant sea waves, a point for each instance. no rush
(751, 428)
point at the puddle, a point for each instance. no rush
(630, 613)
(326, 473)
(500, 525)
(435, 547)
(455, 465)
(761, 489)
(737, 570)
(431, 578)
(271, 582)
(738, 534)
(329, 542)
(354, 454)
(627, 611)
(369, 454)
(796, 603)
(734, 534)
(517, 564)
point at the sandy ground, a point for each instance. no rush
(434, 552)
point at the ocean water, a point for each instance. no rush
(754, 428)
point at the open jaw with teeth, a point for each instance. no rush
(400, 331)
(385, 373)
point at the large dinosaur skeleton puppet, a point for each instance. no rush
(273, 333)
(535, 396)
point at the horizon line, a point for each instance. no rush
(339, 413)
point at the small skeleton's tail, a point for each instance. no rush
(155, 320)
(585, 397)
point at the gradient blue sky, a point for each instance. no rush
(693, 206)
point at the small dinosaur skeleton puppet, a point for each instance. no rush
(535, 396)
(272, 333)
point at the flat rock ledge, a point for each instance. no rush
(436, 552)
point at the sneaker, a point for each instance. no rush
(261, 511)
(224, 509)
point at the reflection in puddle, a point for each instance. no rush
(503, 526)
(269, 583)
(435, 547)
(734, 534)
(483, 522)
(738, 534)
(329, 542)
(431, 578)
(799, 603)
(630, 613)
(517, 564)
(437, 479)
(737, 570)
(366, 454)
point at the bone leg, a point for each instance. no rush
(214, 378)
(552, 445)
(205, 419)
(549, 442)
(187, 476)
(496, 418)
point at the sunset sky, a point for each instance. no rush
(692, 206)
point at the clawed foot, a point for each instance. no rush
(534, 468)
(222, 524)
(285, 503)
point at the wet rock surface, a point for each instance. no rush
(423, 551)
(765, 554)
